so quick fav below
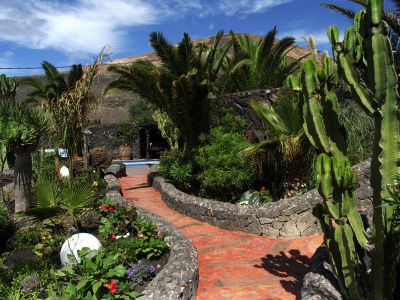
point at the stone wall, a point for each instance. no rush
(178, 279)
(291, 217)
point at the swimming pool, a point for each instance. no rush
(141, 163)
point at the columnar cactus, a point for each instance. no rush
(337, 183)
(365, 47)
(367, 44)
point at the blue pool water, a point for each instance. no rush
(141, 163)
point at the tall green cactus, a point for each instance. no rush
(367, 44)
(337, 183)
(365, 47)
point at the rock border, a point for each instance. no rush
(178, 279)
(291, 217)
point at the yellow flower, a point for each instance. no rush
(95, 183)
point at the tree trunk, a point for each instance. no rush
(22, 179)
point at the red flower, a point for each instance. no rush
(111, 208)
(112, 286)
(114, 236)
(104, 207)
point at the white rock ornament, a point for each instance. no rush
(64, 172)
(75, 243)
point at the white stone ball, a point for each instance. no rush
(64, 172)
(77, 242)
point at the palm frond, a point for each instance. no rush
(261, 147)
(349, 13)
(77, 195)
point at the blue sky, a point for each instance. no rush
(73, 31)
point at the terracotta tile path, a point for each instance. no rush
(233, 265)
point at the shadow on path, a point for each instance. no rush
(293, 267)
(138, 186)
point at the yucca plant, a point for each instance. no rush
(22, 128)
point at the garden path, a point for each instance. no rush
(232, 265)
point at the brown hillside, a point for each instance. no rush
(115, 107)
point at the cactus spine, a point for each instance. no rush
(365, 45)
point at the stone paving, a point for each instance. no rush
(232, 265)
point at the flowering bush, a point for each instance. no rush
(99, 276)
(140, 272)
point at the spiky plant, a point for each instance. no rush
(259, 63)
(182, 85)
(47, 92)
(54, 199)
(21, 129)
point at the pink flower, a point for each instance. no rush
(112, 286)
(140, 235)
(104, 207)
(158, 234)
(113, 236)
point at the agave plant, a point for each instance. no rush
(55, 198)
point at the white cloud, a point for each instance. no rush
(85, 26)
(82, 27)
(248, 6)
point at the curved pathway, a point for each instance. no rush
(233, 265)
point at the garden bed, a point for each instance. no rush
(291, 217)
(179, 277)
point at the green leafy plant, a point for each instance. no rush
(167, 159)
(128, 130)
(98, 276)
(224, 174)
(133, 249)
(181, 172)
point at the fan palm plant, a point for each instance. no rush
(22, 128)
(182, 85)
(259, 63)
(55, 198)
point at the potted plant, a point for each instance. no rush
(127, 133)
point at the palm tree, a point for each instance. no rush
(22, 127)
(285, 136)
(182, 86)
(259, 63)
(8, 91)
(390, 16)
(47, 92)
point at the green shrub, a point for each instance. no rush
(167, 159)
(26, 239)
(224, 173)
(134, 248)
(182, 174)
(229, 122)
(6, 226)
